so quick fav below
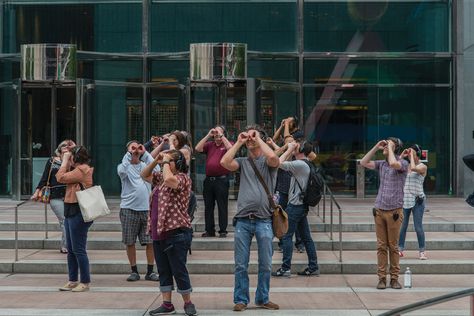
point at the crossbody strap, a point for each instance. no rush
(50, 168)
(260, 178)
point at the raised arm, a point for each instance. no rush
(169, 178)
(279, 131)
(228, 160)
(392, 160)
(200, 146)
(147, 172)
(367, 161)
(288, 153)
(421, 168)
(272, 159)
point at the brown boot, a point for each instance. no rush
(240, 307)
(269, 305)
(382, 285)
(394, 284)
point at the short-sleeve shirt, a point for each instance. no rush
(252, 198)
(299, 175)
(169, 207)
(392, 181)
(214, 155)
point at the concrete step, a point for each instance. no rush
(351, 241)
(315, 225)
(339, 295)
(221, 262)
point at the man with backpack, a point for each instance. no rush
(304, 191)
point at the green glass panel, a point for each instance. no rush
(7, 103)
(263, 26)
(111, 70)
(346, 122)
(116, 117)
(280, 70)
(377, 26)
(106, 27)
(342, 70)
(437, 71)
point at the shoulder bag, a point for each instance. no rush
(44, 194)
(279, 216)
(92, 203)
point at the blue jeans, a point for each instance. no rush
(297, 220)
(171, 255)
(418, 211)
(245, 229)
(76, 239)
(283, 201)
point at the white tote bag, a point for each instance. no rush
(92, 203)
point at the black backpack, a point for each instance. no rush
(313, 192)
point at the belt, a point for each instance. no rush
(251, 216)
(219, 177)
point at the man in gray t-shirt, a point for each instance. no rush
(253, 215)
(297, 209)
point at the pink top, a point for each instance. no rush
(169, 207)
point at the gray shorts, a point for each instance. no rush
(134, 225)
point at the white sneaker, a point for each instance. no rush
(423, 256)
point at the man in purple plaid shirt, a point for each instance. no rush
(388, 214)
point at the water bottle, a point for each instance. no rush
(407, 279)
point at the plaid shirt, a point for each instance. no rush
(392, 181)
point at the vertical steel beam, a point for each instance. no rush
(145, 73)
(300, 37)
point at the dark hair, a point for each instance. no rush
(80, 155)
(398, 144)
(305, 147)
(417, 149)
(259, 129)
(179, 160)
(180, 138)
(295, 122)
(188, 140)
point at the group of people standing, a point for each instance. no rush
(157, 205)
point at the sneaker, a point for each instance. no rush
(239, 307)
(269, 305)
(423, 256)
(133, 277)
(81, 287)
(206, 234)
(382, 285)
(190, 309)
(401, 254)
(308, 272)
(300, 249)
(282, 273)
(63, 250)
(68, 286)
(163, 310)
(152, 277)
(222, 235)
(394, 284)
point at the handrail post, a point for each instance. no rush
(16, 233)
(332, 222)
(324, 204)
(340, 235)
(45, 220)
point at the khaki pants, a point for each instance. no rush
(388, 232)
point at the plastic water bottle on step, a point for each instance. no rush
(407, 278)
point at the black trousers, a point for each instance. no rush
(215, 190)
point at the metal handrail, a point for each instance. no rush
(333, 200)
(432, 301)
(16, 227)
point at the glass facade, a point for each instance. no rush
(352, 71)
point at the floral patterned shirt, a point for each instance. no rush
(169, 207)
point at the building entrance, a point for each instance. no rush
(47, 115)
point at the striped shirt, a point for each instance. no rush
(392, 181)
(413, 188)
